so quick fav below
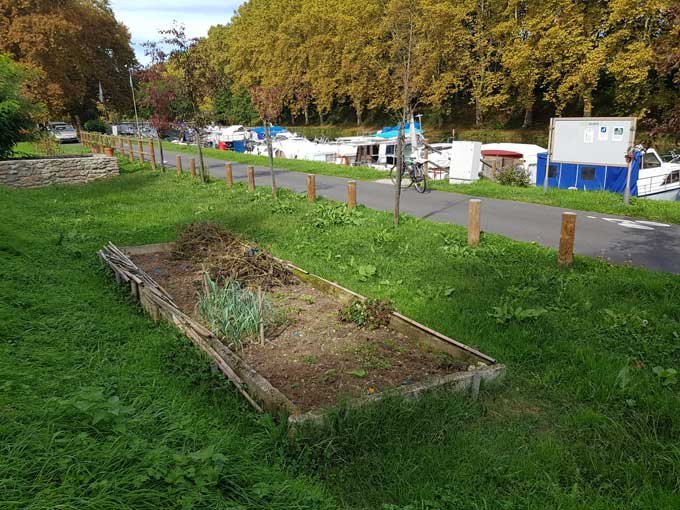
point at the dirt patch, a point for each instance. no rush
(315, 359)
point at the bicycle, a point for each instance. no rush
(412, 174)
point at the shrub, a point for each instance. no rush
(15, 109)
(96, 126)
(513, 176)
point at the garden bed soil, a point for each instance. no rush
(314, 358)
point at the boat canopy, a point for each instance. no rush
(393, 131)
(275, 130)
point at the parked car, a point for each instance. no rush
(63, 132)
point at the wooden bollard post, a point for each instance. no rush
(351, 194)
(131, 153)
(473, 222)
(311, 188)
(192, 167)
(251, 178)
(229, 175)
(565, 256)
(140, 149)
(178, 164)
(152, 155)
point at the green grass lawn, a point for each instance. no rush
(31, 149)
(297, 165)
(102, 408)
(596, 201)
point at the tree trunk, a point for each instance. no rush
(306, 115)
(358, 110)
(160, 148)
(270, 151)
(528, 117)
(479, 115)
(588, 104)
(201, 166)
(400, 165)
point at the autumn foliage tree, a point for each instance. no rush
(483, 61)
(70, 46)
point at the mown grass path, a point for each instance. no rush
(582, 420)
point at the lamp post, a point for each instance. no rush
(134, 102)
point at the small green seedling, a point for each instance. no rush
(668, 376)
(358, 373)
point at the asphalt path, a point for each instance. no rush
(617, 239)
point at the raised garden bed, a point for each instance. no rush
(313, 358)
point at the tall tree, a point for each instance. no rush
(74, 45)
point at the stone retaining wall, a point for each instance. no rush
(36, 173)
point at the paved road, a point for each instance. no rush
(617, 239)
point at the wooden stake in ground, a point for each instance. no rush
(140, 149)
(351, 194)
(152, 155)
(192, 167)
(229, 176)
(566, 253)
(473, 222)
(251, 178)
(259, 307)
(178, 164)
(311, 188)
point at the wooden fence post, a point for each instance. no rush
(178, 164)
(473, 221)
(140, 149)
(152, 154)
(351, 194)
(229, 175)
(565, 256)
(251, 178)
(121, 142)
(192, 167)
(131, 152)
(311, 188)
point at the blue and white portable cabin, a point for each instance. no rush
(588, 177)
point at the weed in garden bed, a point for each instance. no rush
(369, 313)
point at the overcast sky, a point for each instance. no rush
(145, 17)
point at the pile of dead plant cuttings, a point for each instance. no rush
(224, 257)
